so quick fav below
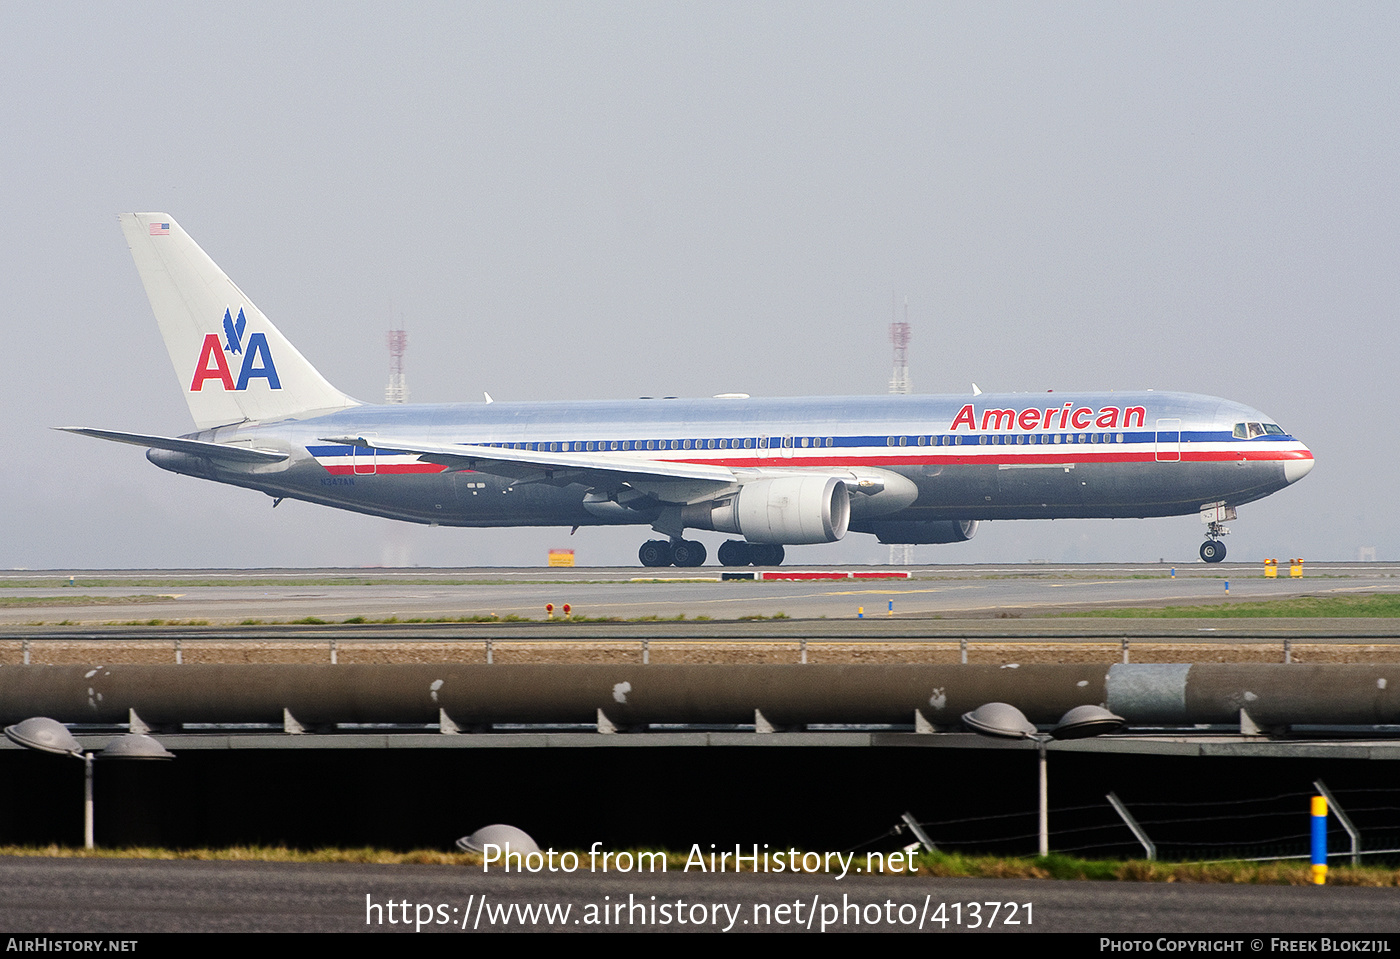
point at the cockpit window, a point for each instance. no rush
(1248, 431)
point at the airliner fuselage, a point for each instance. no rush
(1085, 455)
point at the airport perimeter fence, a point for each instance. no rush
(1363, 827)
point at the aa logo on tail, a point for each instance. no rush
(257, 358)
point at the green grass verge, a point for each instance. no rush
(935, 865)
(1371, 606)
(416, 620)
(349, 580)
(1054, 866)
(81, 599)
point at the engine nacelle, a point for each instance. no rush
(789, 510)
(925, 531)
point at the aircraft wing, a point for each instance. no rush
(668, 481)
(215, 451)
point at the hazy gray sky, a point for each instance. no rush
(584, 200)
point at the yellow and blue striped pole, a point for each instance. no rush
(1319, 840)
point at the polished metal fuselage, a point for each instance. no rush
(971, 458)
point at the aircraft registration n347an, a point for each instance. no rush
(771, 472)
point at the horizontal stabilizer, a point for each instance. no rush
(214, 451)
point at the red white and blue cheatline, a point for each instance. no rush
(342, 460)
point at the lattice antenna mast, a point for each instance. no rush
(397, 390)
(901, 554)
(899, 336)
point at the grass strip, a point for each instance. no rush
(929, 865)
(79, 599)
(1370, 606)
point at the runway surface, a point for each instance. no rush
(948, 592)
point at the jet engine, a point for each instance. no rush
(790, 510)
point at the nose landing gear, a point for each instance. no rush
(1212, 550)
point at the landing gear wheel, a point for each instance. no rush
(1212, 551)
(688, 552)
(735, 552)
(655, 552)
(767, 554)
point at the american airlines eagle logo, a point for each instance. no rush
(257, 358)
(233, 332)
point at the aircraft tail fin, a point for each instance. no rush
(232, 363)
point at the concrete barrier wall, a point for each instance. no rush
(476, 694)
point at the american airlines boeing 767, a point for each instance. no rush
(771, 472)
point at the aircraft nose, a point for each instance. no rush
(1296, 469)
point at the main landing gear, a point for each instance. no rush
(678, 552)
(689, 553)
(736, 552)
